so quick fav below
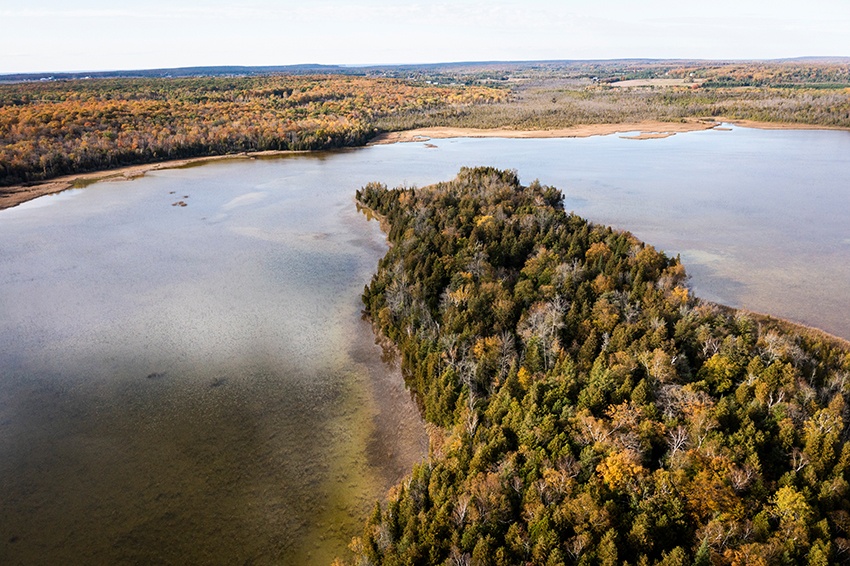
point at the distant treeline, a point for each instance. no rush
(777, 75)
(49, 129)
(590, 410)
(175, 72)
(549, 104)
(561, 94)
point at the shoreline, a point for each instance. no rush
(805, 330)
(18, 194)
(752, 124)
(647, 130)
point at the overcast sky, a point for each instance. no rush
(81, 35)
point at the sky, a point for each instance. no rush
(93, 35)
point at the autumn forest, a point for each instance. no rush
(53, 128)
(583, 406)
(591, 410)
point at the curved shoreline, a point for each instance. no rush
(17, 194)
(648, 130)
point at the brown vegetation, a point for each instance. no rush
(544, 106)
(593, 410)
(53, 129)
(563, 94)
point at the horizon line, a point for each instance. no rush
(308, 66)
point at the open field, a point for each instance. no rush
(654, 82)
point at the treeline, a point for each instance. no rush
(833, 71)
(563, 94)
(54, 128)
(48, 129)
(592, 410)
(548, 105)
(780, 75)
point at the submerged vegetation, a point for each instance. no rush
(588, 408)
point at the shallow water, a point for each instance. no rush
(761, 218)
(195, 385)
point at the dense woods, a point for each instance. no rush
(588, 408)
(52, 128)
(49, 129)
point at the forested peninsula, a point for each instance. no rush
(587, 408)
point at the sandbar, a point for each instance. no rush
(648, 129)
(778, 125)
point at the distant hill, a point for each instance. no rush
(400, 69)
(179, 72)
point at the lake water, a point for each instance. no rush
(194, 384)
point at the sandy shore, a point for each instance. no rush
(777, 125)
(16, 194)
(649, 136)
(648, 130)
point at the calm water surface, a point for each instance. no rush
(760, 218)
(194, 384)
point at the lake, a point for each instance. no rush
(194, 384)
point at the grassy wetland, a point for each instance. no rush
(560, 95)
